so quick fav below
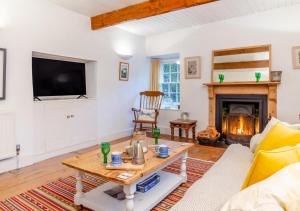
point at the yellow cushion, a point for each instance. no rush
(279, 192)
(267, 163)
(279, 136)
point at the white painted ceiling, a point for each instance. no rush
(94, 7)
(199, 15)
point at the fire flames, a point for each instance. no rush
(241, 125)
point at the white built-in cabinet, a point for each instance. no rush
(65, 123)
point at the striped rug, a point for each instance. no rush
(58, 195)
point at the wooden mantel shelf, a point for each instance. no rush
(269, 83)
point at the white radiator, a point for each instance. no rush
(7, 135)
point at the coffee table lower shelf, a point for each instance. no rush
(100, 201)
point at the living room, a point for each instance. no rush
(124, 56)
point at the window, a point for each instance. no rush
(170, 83)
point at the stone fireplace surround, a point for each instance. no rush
(268, 89)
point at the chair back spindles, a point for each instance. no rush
(151, 100)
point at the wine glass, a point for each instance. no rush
(105, 149)
(221, 78)
(156, 133)
(257, 76)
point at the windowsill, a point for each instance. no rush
(170, 109)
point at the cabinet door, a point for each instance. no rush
(84, 122)
(57, 127)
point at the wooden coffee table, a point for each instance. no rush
(96, 199)
(183, 124)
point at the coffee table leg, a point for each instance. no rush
(129, 192)
(79, 187)
(183, 166)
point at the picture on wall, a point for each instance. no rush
(193, 67)
(296, 57)
(2, 72)
(123, 71)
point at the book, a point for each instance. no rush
(116, 192)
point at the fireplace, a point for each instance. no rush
(239, 117)
(239, 122)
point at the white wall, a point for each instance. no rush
(280, 27)
(38, 25)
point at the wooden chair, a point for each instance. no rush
(149, 101)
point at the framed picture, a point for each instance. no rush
(123, 71)
(192, 66)
(296, 57)
(2, 73)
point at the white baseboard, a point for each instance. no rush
(116, 135)
(69, 149)
(8, 164)
(27, 160)
(166, 130)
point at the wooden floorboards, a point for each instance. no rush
(21, 180)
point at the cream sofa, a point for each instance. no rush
(220, 183)
(225, 178)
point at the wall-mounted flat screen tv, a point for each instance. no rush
(57, 78)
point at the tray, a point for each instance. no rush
(126, 166)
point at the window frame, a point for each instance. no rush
(177, 93)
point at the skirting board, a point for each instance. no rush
(166, 130)
(115, 135)
(73, 148)
(27, 160)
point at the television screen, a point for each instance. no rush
(57, 78)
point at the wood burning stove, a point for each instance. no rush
(239, 117)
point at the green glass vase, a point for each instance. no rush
(221, 78)
(105, 149)
(257, 76)
(156, 133)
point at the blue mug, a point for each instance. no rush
(163, 151)
(116, 159)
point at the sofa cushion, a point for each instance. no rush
(267, 163)
(223, 180)
(281, 192)
(257, 139)
(279, 136)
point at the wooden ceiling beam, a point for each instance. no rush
(142, 10)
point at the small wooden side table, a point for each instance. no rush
(183, 124)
